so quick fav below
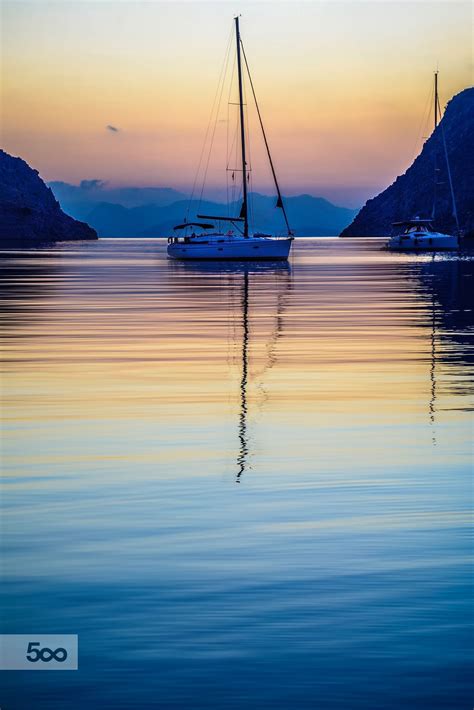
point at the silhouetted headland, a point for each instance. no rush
(413, 192)
(29, 213)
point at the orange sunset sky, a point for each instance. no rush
(343, 87)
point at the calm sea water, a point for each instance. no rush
(243, 486)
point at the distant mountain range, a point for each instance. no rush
(154, 211)
(412, 194)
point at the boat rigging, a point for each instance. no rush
(418, 234)
(237, 242)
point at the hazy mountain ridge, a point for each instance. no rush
(153, 211)
(96, 191)
(413, 192)
(29, 212)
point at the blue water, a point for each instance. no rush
(242, 486)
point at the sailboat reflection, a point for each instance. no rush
(282, 285)
(244, 449)
(449, 322)
(260, 287)
(432, 402)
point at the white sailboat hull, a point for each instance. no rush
(429, 241)
(222, 248)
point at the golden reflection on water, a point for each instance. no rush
(345, 336)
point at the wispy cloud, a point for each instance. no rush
(92, 184)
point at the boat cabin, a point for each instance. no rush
(414, 226)
(192, 231)
(199, 232)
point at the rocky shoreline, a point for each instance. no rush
(412, 193)
(29, 213)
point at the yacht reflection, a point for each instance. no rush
(432, 402)
(244, 448)
(446, 283)
(276, 282)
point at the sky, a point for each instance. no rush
(122, 91)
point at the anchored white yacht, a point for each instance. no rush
(202, 239)
(202, 243)
(419, 234)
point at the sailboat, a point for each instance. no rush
(202, 239)
(418, 234)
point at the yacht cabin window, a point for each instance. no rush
(418, 228)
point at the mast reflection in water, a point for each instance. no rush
(272, 280)
(243, 453)
(281, 269)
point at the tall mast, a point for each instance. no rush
(244, 212)
(448, 167)
(435, 185)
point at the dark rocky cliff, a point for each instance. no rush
(412, 193)
(29, 212)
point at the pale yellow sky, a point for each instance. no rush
(343, 87)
